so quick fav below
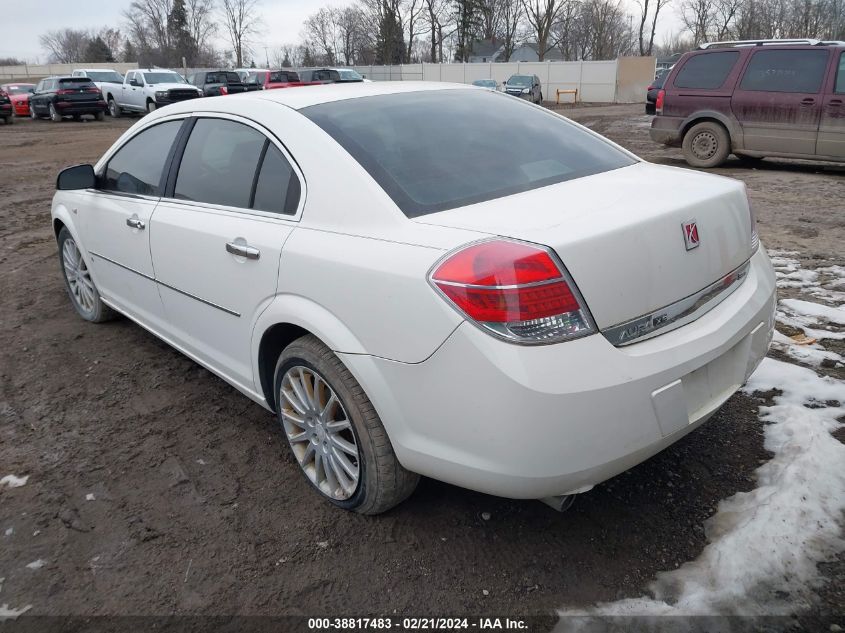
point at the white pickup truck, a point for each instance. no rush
(106, 79)
(146, 89)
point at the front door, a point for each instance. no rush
(116, 222)
(832, 126)
(779, 100)
(217, 241)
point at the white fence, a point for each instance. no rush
(595, 81)
(38, 71)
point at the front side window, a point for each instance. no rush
(163, 78)
(799, 71)
(440, 149)
(840, 76)
(706, 71)
(219, 163)
(136, 167)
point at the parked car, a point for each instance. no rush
(19, 96)
(463, 324)
(331, 75)
(755, 99)
(525, 87)
(490, 84)
(148, 89)
(106, 79)
(218, 83)
(7, 112)
(652, 90)
(59, 97)
(272, 79)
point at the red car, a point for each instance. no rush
(272, 79)
(19, 96)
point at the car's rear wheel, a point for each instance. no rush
(80, 286)
(706, 145)
(54, 115)
(335, 433)
(114, 109)
(10, 119)
(100, 116)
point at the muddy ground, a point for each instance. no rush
(197, 507)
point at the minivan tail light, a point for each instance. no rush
(514, 290)
(658, 104)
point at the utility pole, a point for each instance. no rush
(267, 58)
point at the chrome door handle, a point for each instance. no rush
(243, 250)
(135, 223)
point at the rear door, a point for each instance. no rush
(778, 101)
(832, 127)
(232, 202)
(116, 221)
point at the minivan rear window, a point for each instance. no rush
(706, 71)
(441, 149)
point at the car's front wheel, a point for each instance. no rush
(80, 286)
(151, 106)
(706, 145)
(334, 432)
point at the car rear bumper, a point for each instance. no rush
(666, 130)
(88, 107)
(538, 421)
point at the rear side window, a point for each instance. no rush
(706, 71)
(283, 76)
(277, 187)
(219, 163)
(136, 167)
(441, 149)
(840, 76)
(786, 71)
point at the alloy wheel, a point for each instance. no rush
(78, 276)
(320, 432)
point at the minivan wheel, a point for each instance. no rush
(334, 432)
(78, 282)
(706, 145)
(54, 115)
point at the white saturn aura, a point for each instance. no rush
(426, 279)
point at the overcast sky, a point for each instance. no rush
(25, 20)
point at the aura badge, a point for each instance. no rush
(690, 229)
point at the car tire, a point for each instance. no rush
(10, 119)
(32, 114)
(706, 145)
(114, 109)
(100, 116)
(380, 481)
(55, 117)
(78, 282)
(151, 106)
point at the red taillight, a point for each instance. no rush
(658, 104)
(517, 291)
(224, 90)
(94, 90)
(65, 92)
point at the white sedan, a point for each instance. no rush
(426, 279)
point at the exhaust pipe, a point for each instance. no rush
(561, 503)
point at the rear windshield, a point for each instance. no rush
(442, 149)
(104, 75)
(222, 78)
(283, 76)
(706, 71)
(76, 82)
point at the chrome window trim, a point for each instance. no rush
(679, 313)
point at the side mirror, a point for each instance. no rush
(76, 177)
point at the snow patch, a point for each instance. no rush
(90, 497)
(812, 309)
(13, 481)
(7, 613)
(764, 545)
(37, 564)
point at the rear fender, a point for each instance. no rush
(730, 123)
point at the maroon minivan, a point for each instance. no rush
(755, 99)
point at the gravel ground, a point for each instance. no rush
(155, 488)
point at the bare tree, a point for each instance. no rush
(436, 13)
(542, 16)
(697, 16)
(320, 32)
(511, 19)
(240, 20)
(201, 22)
(65, 45)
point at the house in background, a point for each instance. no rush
(485, 51)
(527, 52)
(664, 63)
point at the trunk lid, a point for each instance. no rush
(620, 233)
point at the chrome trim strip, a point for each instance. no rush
(131, 270)
(161, 283)
(677, 314)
